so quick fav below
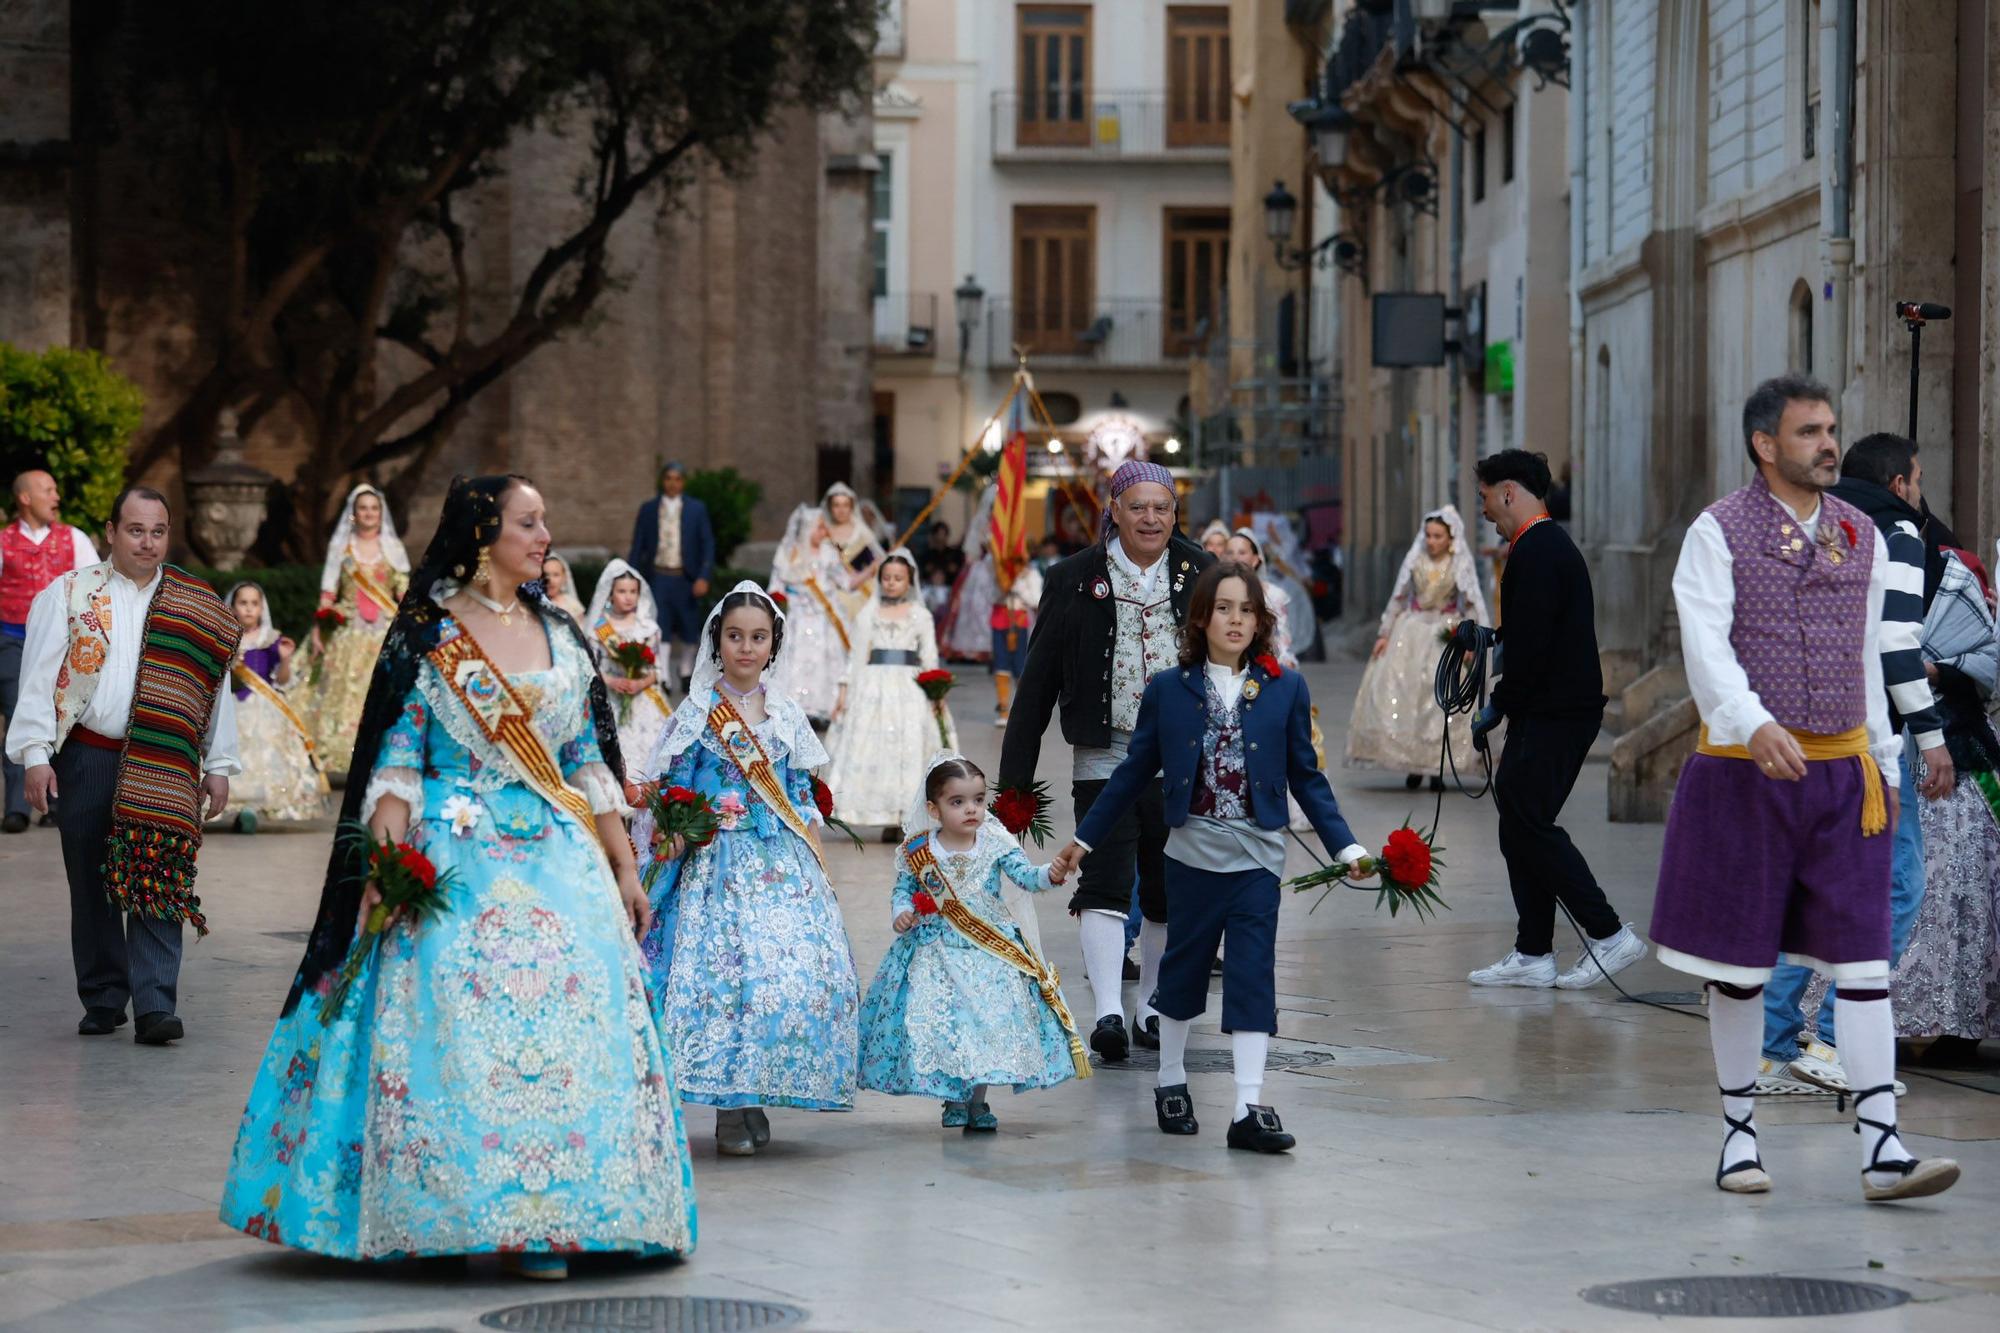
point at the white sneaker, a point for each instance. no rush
(1820, 1066)
(1774, 1081)
(1518, 969)
(1605, 958)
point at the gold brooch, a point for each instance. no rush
(1251, 689)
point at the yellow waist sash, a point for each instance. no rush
(1851, 744)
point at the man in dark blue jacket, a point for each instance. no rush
(674, 546)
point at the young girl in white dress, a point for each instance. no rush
(622, 611)
(281, 777)
(884, 728)
(807, 569)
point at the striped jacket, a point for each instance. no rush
(1911, 702)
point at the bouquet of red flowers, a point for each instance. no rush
(635, 659)
(1024, 810)
(779, 600)
(325, 621)
(676, 812)
(1408, 867)
(924, 904)
(408, 882)
(823, 798)
(329, 618)
(936, 684)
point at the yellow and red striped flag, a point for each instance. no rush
(1007, 536)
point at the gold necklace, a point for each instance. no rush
(506, 613)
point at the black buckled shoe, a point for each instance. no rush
(1175, 1109)
(1261, 1131)
(100, 1022)
(1108, 1040)
(157, 1029)
(1146, 1033)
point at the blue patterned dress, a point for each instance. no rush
(496, 1079)
(942, 1015)
(747, 948)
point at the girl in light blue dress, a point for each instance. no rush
(963, 1001)
(494, 1080)
(747, 948)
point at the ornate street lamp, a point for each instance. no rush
(969, 296)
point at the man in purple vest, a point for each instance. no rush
(1779, 841)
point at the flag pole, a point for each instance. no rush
(965, 461)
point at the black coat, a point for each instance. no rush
(1069, 654)
(1548, 629)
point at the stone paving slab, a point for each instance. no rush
(1468, 1159)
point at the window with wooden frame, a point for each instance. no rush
(1197, 76)
(1055, 276)
(1197, 260)
(1054, 76)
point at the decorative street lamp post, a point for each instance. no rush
(969, 296)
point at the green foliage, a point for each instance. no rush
(67, 411)
(291, 590)
(730, 497)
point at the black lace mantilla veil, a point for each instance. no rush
(471, 520)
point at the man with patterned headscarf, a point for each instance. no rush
(1108, 621)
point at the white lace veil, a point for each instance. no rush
(600, 600)
(265, 634)
(1214, 526)
(343, 533)
(569, 582)
(979, 531)
(909, 561)
(790, 563)
(917, 819)
(1472, 604)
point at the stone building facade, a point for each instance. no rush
(737, 333)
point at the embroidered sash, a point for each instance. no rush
(819, 595)
(375, 592)
(610, 639)
(482, 690)
(988, 938)
(149, 859)
(739, 744)
(263, 689)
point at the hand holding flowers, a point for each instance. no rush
(400, 879)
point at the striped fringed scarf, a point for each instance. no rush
(149, 864)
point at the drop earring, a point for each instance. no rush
(484, 572)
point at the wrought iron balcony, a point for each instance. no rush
(1112, 333)
(1077, 124)
(906, 324)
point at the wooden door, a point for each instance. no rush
(1197, 258)
(1197, 76)
(1054, 76)
(1055, 276)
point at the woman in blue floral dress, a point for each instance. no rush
(495, 1079)
(747, 945)
(949, 1016)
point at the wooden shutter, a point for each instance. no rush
(1054, 76)
(1055, 277)
(1197, 76)
(1197, 251)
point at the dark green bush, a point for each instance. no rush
(730, 496)
(68, 412)
(292, 591)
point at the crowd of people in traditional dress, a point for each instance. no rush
(509, 1073)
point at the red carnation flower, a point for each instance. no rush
(1015, 809)
(779, 599)
(924, 903)
(1270, 665)
(1408, 858)
(823, 798)
(1848, 528)
(678, 795)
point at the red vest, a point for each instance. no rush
(26, 569)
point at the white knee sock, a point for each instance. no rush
(1102, 936)
(1173, 1050)
(1868, 1054)
(1152, 944)
(1736, 1034)
(1248, 1051)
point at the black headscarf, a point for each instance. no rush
(471, 521)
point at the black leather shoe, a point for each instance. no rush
(15, 822)
(1108, 1040)
(1176, 1110)
(100, 1022)
(47, 821)
(1130, 970)
(1146, 1033)
(1261, 1131)
(157, 1029)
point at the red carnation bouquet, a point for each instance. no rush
(677, 812)
(924, 904)
(1408, 867)
(936, 684)
(779, 600)
(823, 798)
(635, 659)
(1024, 810)
(408, 882)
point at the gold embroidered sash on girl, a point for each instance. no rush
(740, 746)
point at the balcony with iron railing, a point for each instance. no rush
(1076, 124)
(1112, 333)
(906, 324)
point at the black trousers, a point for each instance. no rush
(1137, 845)
(120, 956)
(1538, 768)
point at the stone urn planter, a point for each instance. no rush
(227, 499)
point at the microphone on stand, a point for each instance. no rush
(1919, 312)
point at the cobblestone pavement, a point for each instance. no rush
(1467, 1159)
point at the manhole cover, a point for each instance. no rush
(1765, 1297)
(1220, 1062)
(1687, 997)
(646, 1314)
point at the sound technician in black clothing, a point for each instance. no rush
(1551, 693)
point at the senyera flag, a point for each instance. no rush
(1008, 532)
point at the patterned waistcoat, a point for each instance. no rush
(26, 569)
(1146, 641)
(1801, 607)
(1222, 778)
(87, 594)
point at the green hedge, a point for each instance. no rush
(67, 411)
